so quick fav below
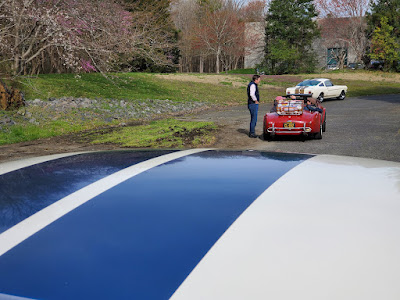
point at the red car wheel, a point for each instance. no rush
(318, 135)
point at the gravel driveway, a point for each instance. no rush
(360, 126)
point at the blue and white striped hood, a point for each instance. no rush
(199, 224)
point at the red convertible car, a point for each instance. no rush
(294, 117)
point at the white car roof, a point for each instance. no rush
(199, 224)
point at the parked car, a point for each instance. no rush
(355, 66)
(320, 88)
(290, 118)
(199, 224)
(376, 65)
(332, 67)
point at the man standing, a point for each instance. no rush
(253, 98)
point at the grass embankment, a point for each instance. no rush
(29, 132)
(129, 87)
(221, 90)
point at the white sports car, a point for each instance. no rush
(199, 224)
(320, 88)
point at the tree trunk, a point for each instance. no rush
(201, 68)
(217, 61)
(180, 65)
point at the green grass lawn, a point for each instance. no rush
(131, 86)
(25, 131)
(94, 85)
(127, 86)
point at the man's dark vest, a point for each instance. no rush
(249, 99)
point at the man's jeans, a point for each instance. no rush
(253, 108)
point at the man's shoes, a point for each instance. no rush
(252, 135)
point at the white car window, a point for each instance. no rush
(321, 84)
(328, 83)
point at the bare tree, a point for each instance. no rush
(185, 15)
(222, 32)
(254, 11)
(344, 24)
(212, 33)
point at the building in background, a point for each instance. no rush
(342, 43)
(255, 45)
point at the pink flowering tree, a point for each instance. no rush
(72, 35)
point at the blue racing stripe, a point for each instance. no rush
(142, 238)
(25, 191)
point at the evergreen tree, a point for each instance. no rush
(390, 9)
(290, 30)
(384, 8)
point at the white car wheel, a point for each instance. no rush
(342, 95)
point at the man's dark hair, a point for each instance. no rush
(255, 77)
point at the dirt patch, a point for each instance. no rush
(235, 81)
(365, 76)
(238, 82)
(49, 146)
(197, 137)
(279, 78)
(225, 137)
(211, 79)
(80, 142)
